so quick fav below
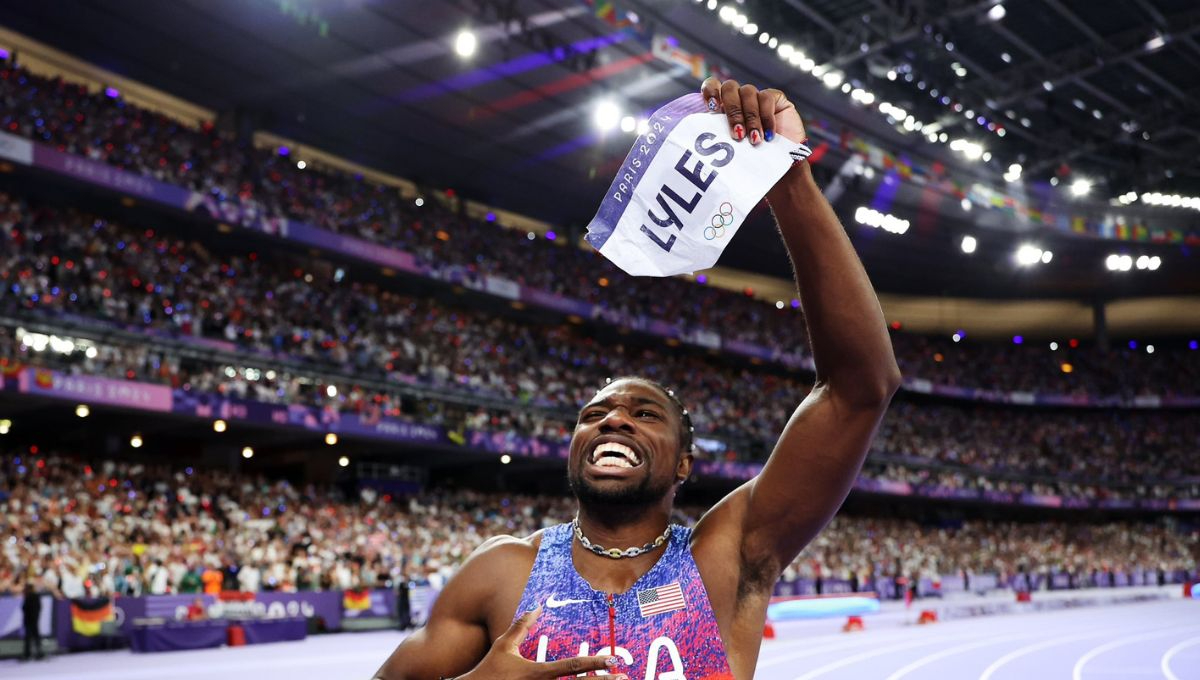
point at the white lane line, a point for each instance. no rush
(1077, 671)
(880, 651)
(1030, 649)
(816, 649)
(1170, 654)
(926, 660)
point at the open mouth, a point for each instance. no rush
(614, 455)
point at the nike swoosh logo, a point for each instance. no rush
(555, 604)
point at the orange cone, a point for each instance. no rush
(927, 616)
(853, 623)
(768, 631)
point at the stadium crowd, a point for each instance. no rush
(209, 160)
(138, 528)
(65, 265)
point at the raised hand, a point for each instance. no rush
(756, 115)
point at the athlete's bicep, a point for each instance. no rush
(808, 475)
(456, 637)
(446, 646)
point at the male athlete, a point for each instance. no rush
(620, 591)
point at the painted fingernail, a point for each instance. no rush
(712, 104)
(739, 132)
(611, 662)
(755, 137)
(769, 135)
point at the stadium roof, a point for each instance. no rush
(1107, 92)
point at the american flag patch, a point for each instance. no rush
(666, 598)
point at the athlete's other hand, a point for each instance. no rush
(757, 115)
(504, 660)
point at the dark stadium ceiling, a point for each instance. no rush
(1109, 91)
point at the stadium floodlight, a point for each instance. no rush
(1154, 263)
(1028, 255)
(247, 452)
(136, 441)
(420, 201)
(786, 50)
(727, 13)
(219, 425)
(628, 124)
(764, 37)
(465, 43)
(879, 220)
(1156, 43)
(969, 244)
(643, 126)
(331, 439)
(607, 115)
(712, 4)
(832, 79)
(82, 411)
(773, 42)
(1047, 256)
(1081, 187)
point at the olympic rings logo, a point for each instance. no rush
(722, 219)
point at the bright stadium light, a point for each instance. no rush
(969, 244)
(607, 115)
(643, 126)
(1081, 187)
(465, 43)
(505, 459)
(343, 461)
(628, 124)
(219, 426)
(247, 452)
(136, 441)
(879, 220)
(997, 12)
(331, 439)
(82, 411)
(1028, 255)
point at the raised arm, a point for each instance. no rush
(824, 443)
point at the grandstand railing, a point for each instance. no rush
(249, 215)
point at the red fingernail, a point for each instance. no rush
(739, 132)
(755, 137)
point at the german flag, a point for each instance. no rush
(356, 600)
(87, 616)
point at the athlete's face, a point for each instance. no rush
(626, 447)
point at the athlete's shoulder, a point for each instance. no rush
(504, 548)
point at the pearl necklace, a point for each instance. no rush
(617, 553)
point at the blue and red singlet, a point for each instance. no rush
(663, 627)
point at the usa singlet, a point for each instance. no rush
(663, 627)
